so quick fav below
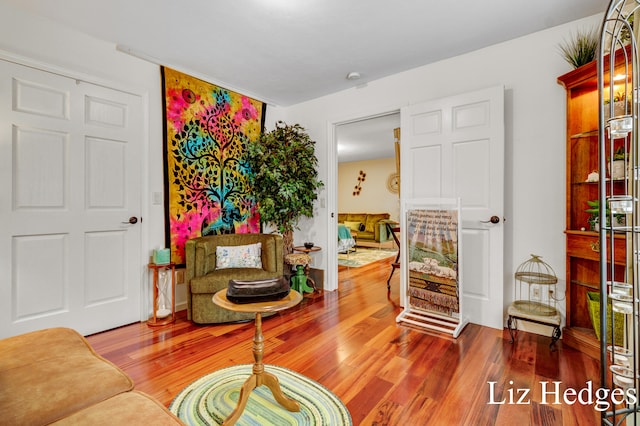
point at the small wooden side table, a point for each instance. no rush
(259, 376)
(155, 320)
(303, 249)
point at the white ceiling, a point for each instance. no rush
(289, 51)
(367, 139)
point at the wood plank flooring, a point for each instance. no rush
(385, 373)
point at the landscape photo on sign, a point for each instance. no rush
(432, 255)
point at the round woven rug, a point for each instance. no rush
(211, 398)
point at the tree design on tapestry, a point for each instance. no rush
(208, 177)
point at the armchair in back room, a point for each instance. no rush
(206, 273)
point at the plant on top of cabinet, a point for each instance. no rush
(581, 48)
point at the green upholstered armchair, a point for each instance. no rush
(204, 280)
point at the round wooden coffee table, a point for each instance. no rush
(259, 376)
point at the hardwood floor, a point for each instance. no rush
(386, 374)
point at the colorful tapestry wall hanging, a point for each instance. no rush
(207, 190)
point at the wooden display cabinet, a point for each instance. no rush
(582, 243)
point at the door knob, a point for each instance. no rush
(494, 219)
(132, 220)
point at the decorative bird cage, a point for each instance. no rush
(535, 288)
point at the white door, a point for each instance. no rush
(454, 147)
(69, 183)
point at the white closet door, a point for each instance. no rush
(70, 181)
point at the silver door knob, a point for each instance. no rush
(132, 220)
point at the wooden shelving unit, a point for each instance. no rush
(582, 242)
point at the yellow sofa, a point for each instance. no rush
(369, 226)
(204, 280)
(54, 376)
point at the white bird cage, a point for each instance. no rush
(535, 288)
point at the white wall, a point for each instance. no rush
(32, 40)
(535, 121)
(374, 196)
(41, 43)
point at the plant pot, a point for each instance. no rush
(619, 109)
(617, 169)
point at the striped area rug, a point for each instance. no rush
(364, 256)
(210, 399)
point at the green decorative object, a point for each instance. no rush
(299, 281)
(593, 301)
(162, 256)
(285, 180)
(594, 215)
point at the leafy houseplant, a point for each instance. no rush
(617, 97)
(594, 211)
(619, 154)
(582, 48)
(621, 106)
(285, 180)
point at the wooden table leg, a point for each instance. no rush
(249, 385)
(258, 378)
(271, 381)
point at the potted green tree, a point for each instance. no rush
(285, 178)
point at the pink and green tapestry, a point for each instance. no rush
(207, 188)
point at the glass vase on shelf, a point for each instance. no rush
(162, 304)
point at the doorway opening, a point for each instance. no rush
(366, 169)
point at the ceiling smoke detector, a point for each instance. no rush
(353, 75)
